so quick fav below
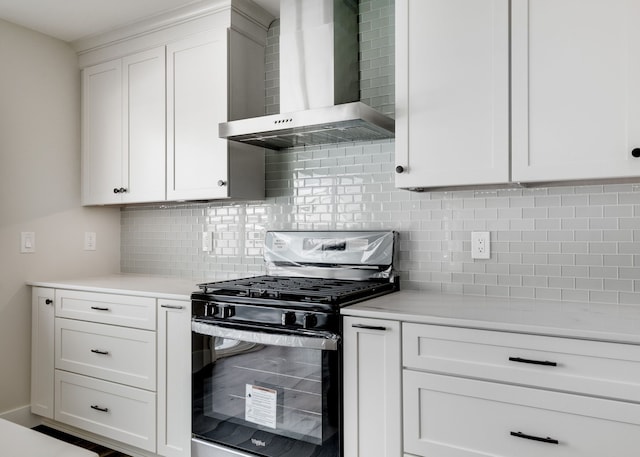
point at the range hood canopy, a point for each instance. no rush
(319, 82)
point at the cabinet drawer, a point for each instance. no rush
(125, 310)
(119, 354)
(590, 367)
(119, 412)
(456, 417)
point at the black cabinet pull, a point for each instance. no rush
(116, 190)
(98, 351)
(399, 169)
(98, 408)
(635, 152)
(533, 362)
(534, 438)
(48, 301)
(98, 308)
(368, 327)
(172, 306)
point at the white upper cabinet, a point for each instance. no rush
(153, 96)
(567, 89)
(124, 130)
(144, 126)
(576, 97)
(102, 132)
(197, 100)
(452, 105)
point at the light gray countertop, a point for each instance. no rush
(169, 288)
(619, 323)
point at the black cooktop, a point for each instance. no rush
(329, 291)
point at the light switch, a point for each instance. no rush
(27, 242)
(90, 241)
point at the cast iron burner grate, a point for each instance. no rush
(300, 289)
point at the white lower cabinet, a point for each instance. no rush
(372, 399)
(450, 416)
(42, 356)
(102, 364)
(174, 387)
(116, 411)
(469, 392)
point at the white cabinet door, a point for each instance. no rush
(144, 165)
(576, 97)
(42, 353)
(452, 100)
(174, 378)
(124, 130)
(197, 86)
(372, 390)
(102, 133)
(113, 410)
(447, 416)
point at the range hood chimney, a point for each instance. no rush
(319, 82)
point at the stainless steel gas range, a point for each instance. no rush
(267, 350)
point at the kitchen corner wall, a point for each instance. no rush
(40, 192)
(575, 243)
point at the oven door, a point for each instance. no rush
(267, 393)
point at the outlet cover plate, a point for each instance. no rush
(480, 245)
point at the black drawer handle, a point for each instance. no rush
(368, 327)
(533, 362)
(172, 306)
(98, 408)
(98, 351)
(48, 301)
(534, 438)
(98, 308)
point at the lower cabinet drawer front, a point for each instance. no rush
(595, 368)
(124, 310)
(447, 416)
(119, 412)
(119, 354)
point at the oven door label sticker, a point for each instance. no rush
(261, 405)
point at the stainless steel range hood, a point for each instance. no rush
(319, 82)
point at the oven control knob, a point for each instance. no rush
(309, 320)
(228, 311)
(210, 310)
(288, 318)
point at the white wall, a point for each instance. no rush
(40, 192)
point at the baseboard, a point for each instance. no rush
(22, 416)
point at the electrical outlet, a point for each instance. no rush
(207, 241)
(27, 242)
(480, 245)
(90, 240)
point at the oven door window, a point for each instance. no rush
(267, 399)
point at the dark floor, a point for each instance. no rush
(100, 450)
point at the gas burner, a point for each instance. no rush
(334, 292)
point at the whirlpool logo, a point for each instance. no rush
(258, 443)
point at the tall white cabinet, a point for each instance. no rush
(576, 101)
(452, 92)
(153, 96)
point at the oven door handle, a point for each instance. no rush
(324, 342)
